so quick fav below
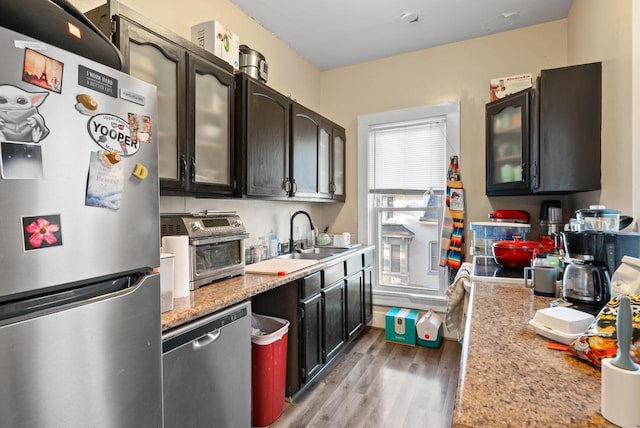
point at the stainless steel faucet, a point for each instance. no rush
(291, 242)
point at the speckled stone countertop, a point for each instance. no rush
(221, 294)
(508, 377)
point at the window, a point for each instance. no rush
(402, 161)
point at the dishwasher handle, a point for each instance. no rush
(206, 340)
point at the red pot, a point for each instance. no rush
(518, 253)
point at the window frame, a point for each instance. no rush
(411, 298)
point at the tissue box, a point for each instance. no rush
(400, 326)
(503, 86)
(219, 40)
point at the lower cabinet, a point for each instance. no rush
(326, 310)
(311, 341)
(367, 277)
(355, 304)
(333, 308)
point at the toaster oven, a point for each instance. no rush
(216, 244)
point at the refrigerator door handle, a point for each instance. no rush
(206, 340)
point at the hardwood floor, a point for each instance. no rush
(381, 384)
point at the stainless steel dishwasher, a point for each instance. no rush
(207, 371)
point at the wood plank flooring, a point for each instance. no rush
(381, 384)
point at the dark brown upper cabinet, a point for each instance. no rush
(196, 96)
(263, 130)
(286, 151)
(547, 140)
(311, 154)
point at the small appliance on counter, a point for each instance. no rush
(586, 285)
(510, 216)
(485, 233)
(216, 244)
(604, 247)
(586, 282)
(551, 218)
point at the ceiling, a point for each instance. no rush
(337, 33)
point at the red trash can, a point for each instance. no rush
(269, 338)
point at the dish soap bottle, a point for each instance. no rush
(273, 244)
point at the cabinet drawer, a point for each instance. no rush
(354, 264)
(310, 285)
(333, 273)
(368, 259)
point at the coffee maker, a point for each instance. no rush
(586, 281)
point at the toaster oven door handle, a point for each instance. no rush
(218, 239)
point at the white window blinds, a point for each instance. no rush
(407, 156)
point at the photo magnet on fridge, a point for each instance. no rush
(42, 71)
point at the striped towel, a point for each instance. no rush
(452, 242)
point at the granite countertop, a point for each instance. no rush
(221, 294)
(508, 377)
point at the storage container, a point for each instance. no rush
(400, 326)
(269, 339)
(485, 233)
(561, 324)
(219, 40)
(429, 330)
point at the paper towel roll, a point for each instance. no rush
(179, 245)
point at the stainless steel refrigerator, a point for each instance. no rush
(80, 331)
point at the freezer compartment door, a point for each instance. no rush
(90, 363)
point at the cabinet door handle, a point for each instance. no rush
(332, 188)
(183, 168)
(534, 173)
(295, 188)
(193, 169)
(286, 185)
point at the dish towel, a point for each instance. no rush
(452, 242)
(458, 301)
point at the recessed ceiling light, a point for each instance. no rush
(409, 17)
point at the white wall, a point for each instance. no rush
(459, 71)
(601, 31)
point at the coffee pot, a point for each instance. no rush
(586, 283)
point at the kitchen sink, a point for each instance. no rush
(317, 253)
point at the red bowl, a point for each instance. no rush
(517, 253)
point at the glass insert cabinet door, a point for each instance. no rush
(151, 63)
(507, 143)
(212, 131)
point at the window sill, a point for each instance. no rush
(409, 300)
